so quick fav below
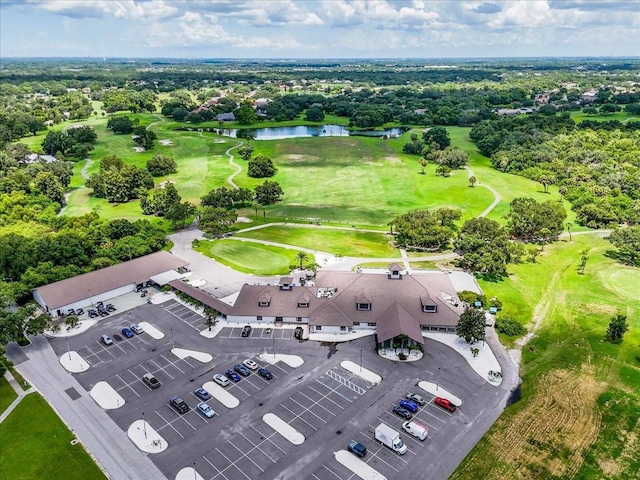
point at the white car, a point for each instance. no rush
(137, 329)
(205, 410)
(416, 398)
(250, 364)
(221, 379)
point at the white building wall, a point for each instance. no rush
(328, 329)
(89, 301)
(251, 319)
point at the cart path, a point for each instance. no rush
(496, 196)
(233, 164)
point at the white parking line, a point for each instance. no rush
(105, 349)
(187, 421)
(126, 385)
(375, 455)
(318, 403)
(241, 389)
(257, 446)
(298, 416)
(162, 369)
(268, 437)
(334, 473)
(231, 464)
(246, 454)
(335, 390)
(308, 409)
(319, 393)
(168, 424)
(434, 416)
(217, 469)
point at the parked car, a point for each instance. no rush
(416, 429)
(414, 397)
(358, 449)
(231, 375)
(221, 380)
(250, 364)
(79, 311)
(110, 307)
(71, 311)
(264, 373)
(242, 370)
(106, 339)
(403, 412)
(202, 394)
(150, 380)
(205, 410)
(127, 333)
(409, 405)
(137, 329)
(179, 405)
(445, 403)
(246, 331)
(297, 333)
(92, 313)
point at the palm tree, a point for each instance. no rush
(302, 256)
(210, 315)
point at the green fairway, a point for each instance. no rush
(7, 394)
(507, 185)
(569, 359)
(36, 445)
(351, 243)
(251, 258)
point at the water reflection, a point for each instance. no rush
(279, 133)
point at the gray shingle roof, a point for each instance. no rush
(138, 270)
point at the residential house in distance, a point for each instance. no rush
(35, 157)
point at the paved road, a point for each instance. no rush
(108, 444)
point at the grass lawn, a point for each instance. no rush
(7, 394)
(251, 257)
(36, 444)
(580, 410)
(338, 242)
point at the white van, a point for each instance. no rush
(415, 429)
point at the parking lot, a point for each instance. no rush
(330, 406)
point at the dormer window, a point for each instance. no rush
(303, 304)
(363, 301)
(303, 301)
(429, 305)
(264, 300)
(364, 306)
(430, 308)
(395, 271)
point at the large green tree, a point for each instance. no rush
(424, 229)
(261, 166)
(627, 240)
(215, 221)
(268, 193)
(472, 325)
(527, 219)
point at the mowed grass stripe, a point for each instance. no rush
(36, 444)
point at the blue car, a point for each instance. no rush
(409, 405)
(264, 373)
(127, 333)
(202, 394)
(231, 375)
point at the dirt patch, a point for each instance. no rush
(162, 184)
(243, 220)
(138, 149)
(550, 435)
(294, 158)
(599, 308)
(393, 160)
(165, 142)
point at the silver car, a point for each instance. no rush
(221, 379)
(416, 398)
(205, 410)
(137, 329)
(106, 339)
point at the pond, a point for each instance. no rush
(279, 133)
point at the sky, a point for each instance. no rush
(319, 28)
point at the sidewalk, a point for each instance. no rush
(19, 391)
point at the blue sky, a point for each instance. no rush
(319, 29)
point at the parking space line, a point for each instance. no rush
(162, 369)
(217, 469)
(187, 421)
(168, 424)
(279, 367)
(241, 389)
(298, 416)
(394, 429)
(315, 476)
(335, 390)
(187, 362)
(318, 403)
(105, 349)
(231, 464)
(434, 416)
(246, 454)
(268, 437)
(383, 460)
(257, 446)
(126, 385)
(326, 396)
(334, 473)
(308, 409)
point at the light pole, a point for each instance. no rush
(274, 346)
(144, 426)
(68, 352)
(195, 477)
(360, 360)
(173, 344)
(90, 298)
(438, 381)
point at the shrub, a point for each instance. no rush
(402, 356)
(509, 326)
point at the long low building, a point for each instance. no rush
(392, 303)
(85, 290)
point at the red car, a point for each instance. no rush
(445, 403)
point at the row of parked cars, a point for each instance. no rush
(241, 369)
(101, 310)
(126, 331)
(407, 407)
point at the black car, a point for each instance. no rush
(79, 311)
(242, 370)
(264, 373)
(246, 331)
(92, 313)
(297, 333)
(358, 449)
(231, 375)
(403, 412)
(179, 404)
(110, 308)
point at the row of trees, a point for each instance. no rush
(75, 142)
